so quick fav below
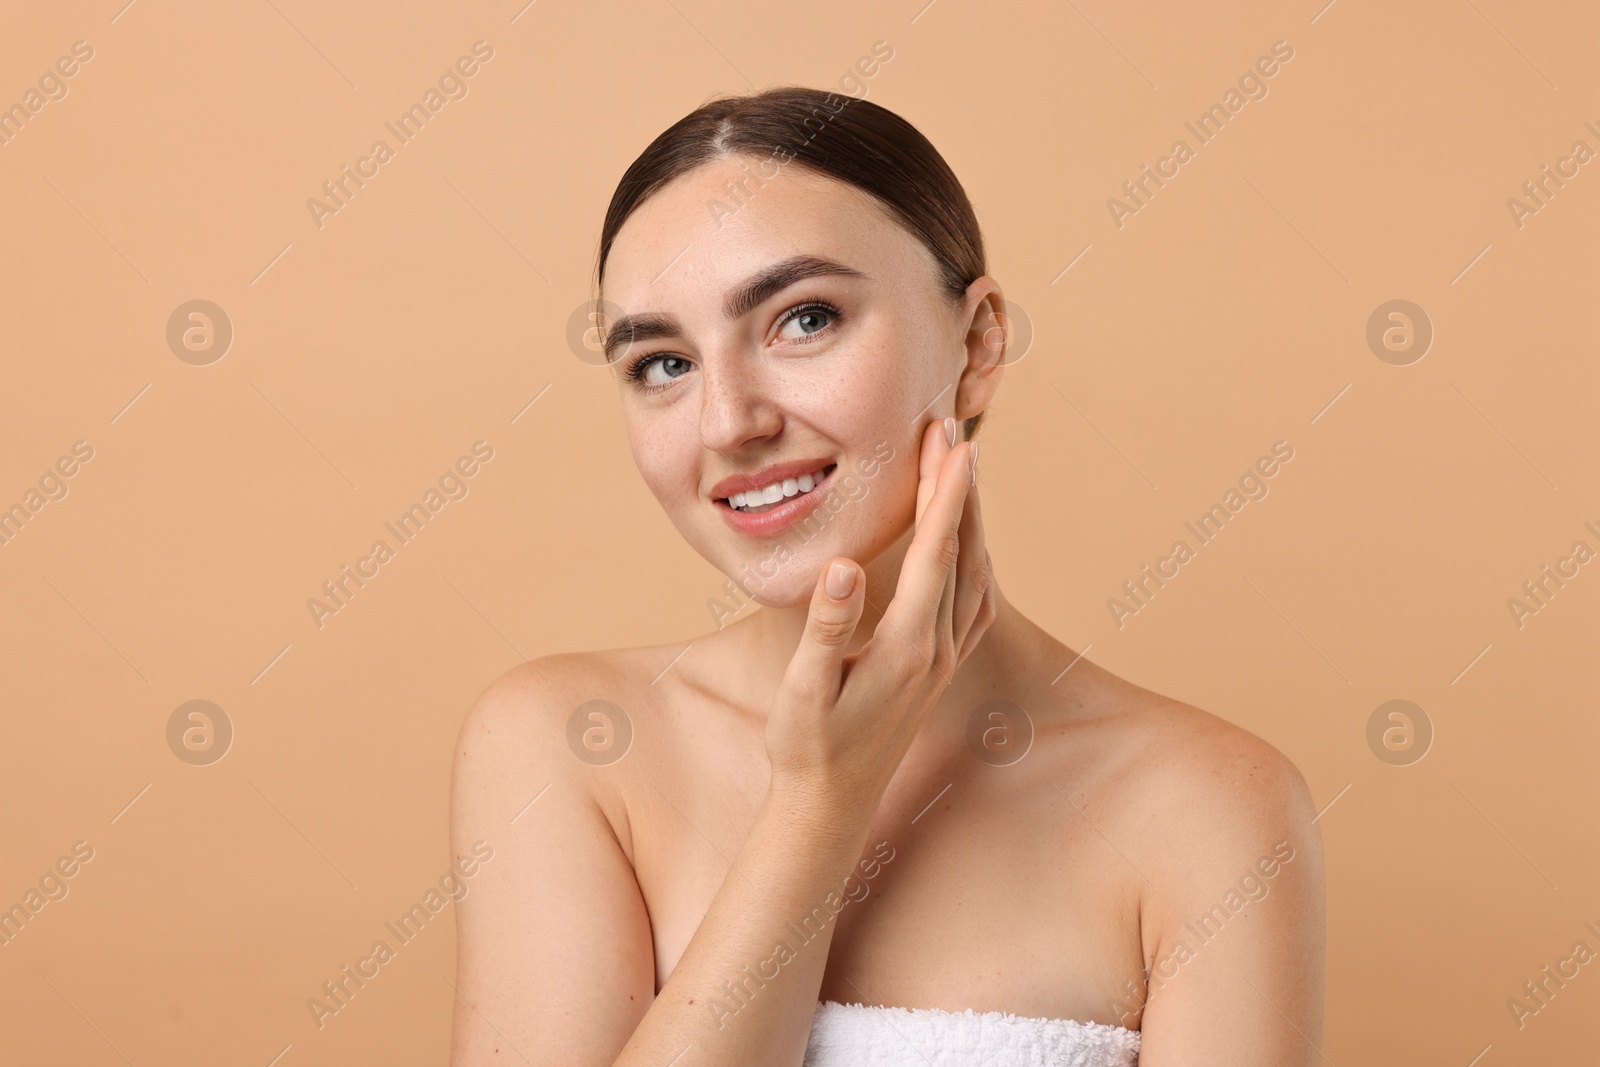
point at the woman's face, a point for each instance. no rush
(792, 329)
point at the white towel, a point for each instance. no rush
(855, 1035)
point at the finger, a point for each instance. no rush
(931, 558)
(936, 444)
(987, 613)
(960, 592)
(938, 438)
(815, 667)
(975, 601)
(944, 632)
(984, 615)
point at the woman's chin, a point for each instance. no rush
(789, 592)
(786, 586)
(788, 579)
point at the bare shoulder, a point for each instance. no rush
(513, 718)
(1201, 788)
(545, 722)
(534, 698)
(1232, 904)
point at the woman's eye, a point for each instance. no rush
(799, 324)
(658, 371)
(803, 322)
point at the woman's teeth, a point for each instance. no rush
(758, 500)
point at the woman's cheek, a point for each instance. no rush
(664, 483)
(891, 502)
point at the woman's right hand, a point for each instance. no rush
(841, 724)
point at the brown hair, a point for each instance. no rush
(848, 139)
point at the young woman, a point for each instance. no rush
(886, 790)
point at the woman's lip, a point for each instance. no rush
(780, 517)
(760, 479)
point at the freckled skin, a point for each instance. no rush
(754, 396)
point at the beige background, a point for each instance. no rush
(370, 353)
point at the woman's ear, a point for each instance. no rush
(988, 336)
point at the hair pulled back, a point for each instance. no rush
(848, 139)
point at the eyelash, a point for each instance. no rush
(636, 369)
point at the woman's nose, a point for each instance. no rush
(736, 407)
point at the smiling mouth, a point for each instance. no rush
(757, 501)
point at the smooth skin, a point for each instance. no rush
(632, 913)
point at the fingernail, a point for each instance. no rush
(974, 463)
(841, 580)
(950, 430)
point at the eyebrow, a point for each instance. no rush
(740, 300)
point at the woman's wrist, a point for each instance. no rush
(823, 811)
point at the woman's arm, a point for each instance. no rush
(553, 957)
(1236, 909)
(555, 964)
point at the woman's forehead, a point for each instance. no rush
(720, 223)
